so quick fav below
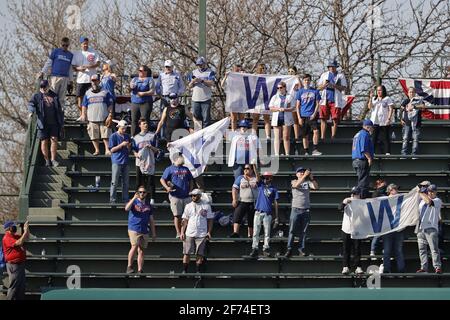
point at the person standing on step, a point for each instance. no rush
(349, 244)
(292, 71)
(267, 195)
(50, 121)
(307, 105)
(235, 116)
(281, 107)
(300, 212)
(362, 156)
(108, 82)
(142, 89)
(243, 148)
(120, 146)
(261, 69)
(411, 120)
(97, 108)
(382, 108)
(332, 84)
(144, 149)
(178, 181)
(380, 191)
(15, 256)
(393, 242)
(140, 216)
(196, 229)
(427, 228)
(60, 63)
(244, 193)
(85, 62)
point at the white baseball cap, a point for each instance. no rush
(122, 123)
(168, 63)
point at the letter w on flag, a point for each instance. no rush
(197, 147)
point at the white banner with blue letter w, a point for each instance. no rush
(379, 216)
(252, 92)
(196, 148)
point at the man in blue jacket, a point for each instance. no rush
(362, 156)
(50, 120)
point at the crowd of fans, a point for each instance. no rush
(254, 196)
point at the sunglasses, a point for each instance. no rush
(65, 45)
(246, 168)
(280, 88)
(141, 70)
(142, 192)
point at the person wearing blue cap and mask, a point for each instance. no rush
(243, 148)
(362, 156)
(201, 81)
(15, 257)
(50, 121)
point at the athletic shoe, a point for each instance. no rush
(359, 270)
(438, 270)
(421, 271)
(254, 253)
(55, 163)
(345, 270)
(130, 270)
(316, 153)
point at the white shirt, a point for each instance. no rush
(83, 58)
(276, 102)
(429, 216)
(238, 146)
(338, 96)
(380, 110)
(346, 222)
(197, 215)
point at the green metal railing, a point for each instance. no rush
(31, 149)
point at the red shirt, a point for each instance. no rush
(13, 254)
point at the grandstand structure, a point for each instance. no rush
(73, 226)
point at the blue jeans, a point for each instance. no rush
(202, 112)
(238, 170)
(407, 131)
(393, 242)
(266, 220)
(375, 244)
(298, 225)
(117, 171)
(362, 169)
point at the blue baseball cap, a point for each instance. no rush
(83, 39)
(332, 63)
(44, 84)
(432, 187)
(244, 123)
(300, 169)
(200, 61)
(355, 190)
(173, 95)
(368, 123)
(8, 224)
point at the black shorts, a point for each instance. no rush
(308, 126)
(48, 131)
(82, 88)
(243, 209)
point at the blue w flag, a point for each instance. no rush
(382, 215)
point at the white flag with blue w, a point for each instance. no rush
(196, 148)
(383, 215)
(252, 92)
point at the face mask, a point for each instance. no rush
(95, 88)
(13, 229)
(306, 85)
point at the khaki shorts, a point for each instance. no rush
(97, 131)
(138, 239)
(177, 205)
(195, 246)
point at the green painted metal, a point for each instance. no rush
(234, 294)
(202, 28)
(29, 164)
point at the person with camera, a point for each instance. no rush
(428, 226)
(349, 244)
(196, 229)
(140, 216)
(142, 91)
(50, 121)
(15, 256)
(97, 108)
(267, 194)
(300, 212)
(120, 146)
(362, 156)
(411, 120)
(332, 83)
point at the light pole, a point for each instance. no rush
(202, 28)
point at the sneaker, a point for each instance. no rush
(140, 271)
(345, 270)
(177, 236)
(130, 270)
(359, 270)
(288, 254)
(381, 269)
(266, 253)
(108, 153)
(48, 163)
(306, 154)
(234, 235)
(254, 253)
(55, 163)
(301, 253)
(152, 201)
(438, 270)
(79, 119)
(316, 153)
(421, 271)
(388, 154)
(372, 256)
